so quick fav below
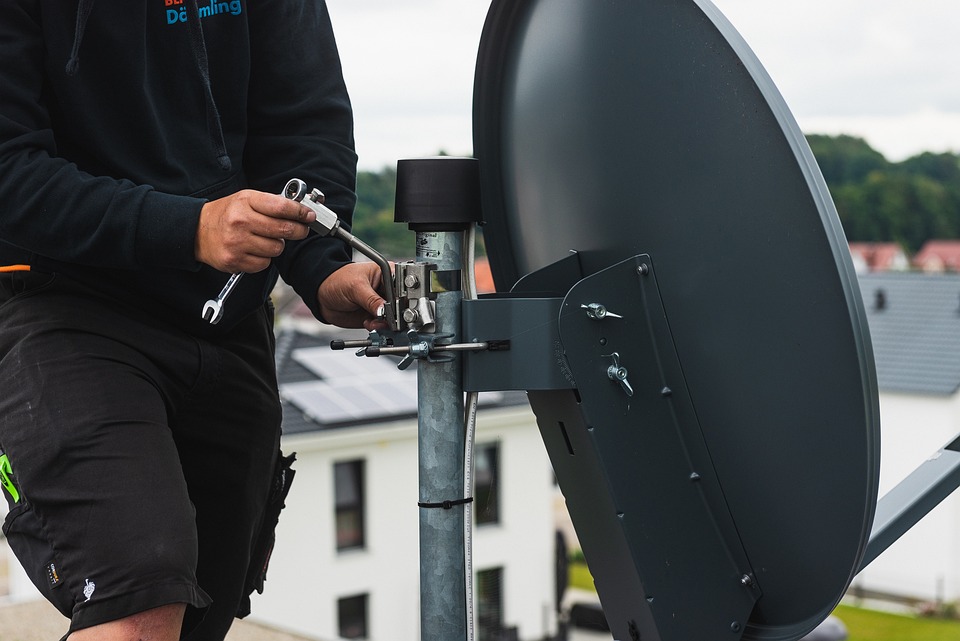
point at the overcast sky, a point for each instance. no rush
(882, 69)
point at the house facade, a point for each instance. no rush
(914, 321)
(346, 562)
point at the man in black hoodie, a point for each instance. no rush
(142, 149)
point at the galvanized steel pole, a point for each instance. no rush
(441, 447)
(440, 199)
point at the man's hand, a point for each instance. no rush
(348, 297)
(244, 231)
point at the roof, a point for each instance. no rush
(880, 256)
(483, 276)
(325, 389)
(939, 255)
(914, 321)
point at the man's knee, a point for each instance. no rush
(157, 624)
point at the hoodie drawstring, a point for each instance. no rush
(213, 114)
(83, 12)
(199, 47)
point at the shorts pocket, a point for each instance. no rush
(20, 284)
(266, 537)
(25, 535)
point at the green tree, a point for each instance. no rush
(373, 216)
(908, 202)
(845, 159)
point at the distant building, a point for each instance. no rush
(878, 257)
(346, 563)
(914, 324)
(484, 276)
(938, 256)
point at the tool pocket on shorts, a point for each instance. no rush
(266, 537)
(25, 535)
(18, 284)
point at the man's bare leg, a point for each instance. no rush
(158, 624)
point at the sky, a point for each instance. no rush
(884, 70)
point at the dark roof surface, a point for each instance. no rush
(914, 323)
(323, 389)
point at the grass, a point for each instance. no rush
(580, 577)
(862, 624)
(870, 625)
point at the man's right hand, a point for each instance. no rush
(244, 231)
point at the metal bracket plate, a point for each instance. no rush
(635, 470)
(533, 361)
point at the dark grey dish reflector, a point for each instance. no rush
(617, 129)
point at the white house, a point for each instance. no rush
(346, 563)
(914, 323)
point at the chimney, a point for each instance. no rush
(879, 300)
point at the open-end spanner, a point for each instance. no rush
(213, 309)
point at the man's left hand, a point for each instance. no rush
(348, 297)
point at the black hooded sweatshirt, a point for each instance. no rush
(120, 119)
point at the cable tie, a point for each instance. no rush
(446, 505)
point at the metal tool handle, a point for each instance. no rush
(328, 224)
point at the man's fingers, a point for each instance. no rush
(276, 206)
(280, 217)
(348, 297)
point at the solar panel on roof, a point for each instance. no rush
(352, 390)
(331, 365)
(348, 402)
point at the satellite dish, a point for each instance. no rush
(719, 443)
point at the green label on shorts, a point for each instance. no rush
(6, 478)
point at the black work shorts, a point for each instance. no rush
(144, 457)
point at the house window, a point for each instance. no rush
(486, 482)
(349, 499)
(490, 604)
(352, 617)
